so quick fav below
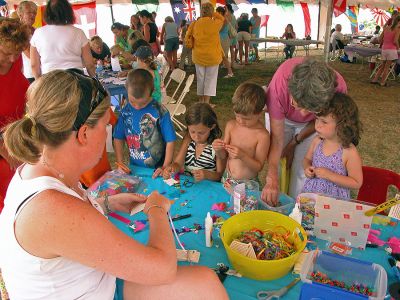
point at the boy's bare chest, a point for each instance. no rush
(244, 138)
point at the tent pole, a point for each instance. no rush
(328, 30)
(319, 19)
(112, 12)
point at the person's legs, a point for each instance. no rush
(174, 58)
(184, 54)
(210, 82)
(194, 282)
(169, 59)
(241, 52)
(291, 51)
(378, 72)
(246, 52)
(200, 76)
(385, 71)
(256, 52)
(286, 50)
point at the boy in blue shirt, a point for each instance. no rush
(145, 125)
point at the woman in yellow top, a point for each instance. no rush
(207, 51)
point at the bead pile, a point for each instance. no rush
(358, 288)
(269, 244)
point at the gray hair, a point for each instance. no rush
(24, 4)
(312, 84)
(207, 9)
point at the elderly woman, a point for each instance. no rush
(27, 13)
(207, 51)
(59, 44)
(48, 222)
(14, 38)
(122, 33)
(299, 88)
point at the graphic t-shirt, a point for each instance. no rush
(146, 132)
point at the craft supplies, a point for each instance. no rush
(123, 167)
(284, 206)
(114, 182)
(208, 227)
(138, 208)
(245, 196)
(264, 221)
(339, 248)
(188, 255)
(219, 206)
(383, 206)
(180, 217)
(395, 269)
(244, 249)
(349, 275)
(268, 244)
(276, 294)
(296, 213)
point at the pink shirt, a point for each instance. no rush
(277, 95)
(388, 42)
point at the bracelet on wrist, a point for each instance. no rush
(152, 206)
(107, 205)
(297, 141)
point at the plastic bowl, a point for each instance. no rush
(262, 219)
(286, 205)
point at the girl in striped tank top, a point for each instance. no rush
(196, 154)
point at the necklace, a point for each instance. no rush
(60, 175)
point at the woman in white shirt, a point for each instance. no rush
(60, 45)
(54, 244)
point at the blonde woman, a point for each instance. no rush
(169, 34)
(207, 51)
(99, 49)
(61, 245)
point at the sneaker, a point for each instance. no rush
(229, 75)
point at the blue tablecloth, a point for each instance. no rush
(199, 198)
(113, 89)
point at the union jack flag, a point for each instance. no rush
(183, 10)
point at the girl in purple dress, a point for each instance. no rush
(332, 164)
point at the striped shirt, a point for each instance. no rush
(206, 159)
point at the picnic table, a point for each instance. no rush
(291, 42)
(197, 198)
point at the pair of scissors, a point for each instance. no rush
(276, 294)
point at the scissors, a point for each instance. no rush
(276, 294)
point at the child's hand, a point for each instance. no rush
(309, 172)
(234, 152)
(168, 171)
(218, 145)
(157, 172)
(199, 175)
(322, 173)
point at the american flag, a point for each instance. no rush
(183, 10)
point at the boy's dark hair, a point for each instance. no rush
(59, 12)
(248, 99)
(202, 113)
(139, 82)
(348, 124)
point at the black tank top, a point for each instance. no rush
(153, 32)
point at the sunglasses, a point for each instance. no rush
(88, 103)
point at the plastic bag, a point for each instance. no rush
(115, 182)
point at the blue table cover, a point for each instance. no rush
(113, 89)
(200, 197)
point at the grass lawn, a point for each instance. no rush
(379, 107)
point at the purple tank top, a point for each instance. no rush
(333, 162)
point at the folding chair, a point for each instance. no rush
(335, 53)
(375, 184)
(391, 75)
(164, 72)
(177, 108)
(395, 212)
(178, 76)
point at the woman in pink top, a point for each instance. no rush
(299, 88)
(390, 45)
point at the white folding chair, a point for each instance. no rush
(164, 72)
(177, 108)
(178, 76)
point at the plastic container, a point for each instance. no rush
(247, 193)
(285, 206)
(347, 270)
(262, 219)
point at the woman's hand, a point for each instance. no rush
(125, 202)
(270, 191)
(156, 199)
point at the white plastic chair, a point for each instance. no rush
(395, 212)
(164, 72)
(178, 76)
(177, 108)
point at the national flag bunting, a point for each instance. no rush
(307, 18)
(183, 10)
(352, 15)
(286, 5)
(339, 7)
(264, 21)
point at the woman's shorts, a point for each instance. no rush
(243, 36)
(389, 54)
(225, 43)
(171, 44)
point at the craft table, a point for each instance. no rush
(365, 51)
(197, 200)
(116, 90)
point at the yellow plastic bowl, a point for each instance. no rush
(261, 219)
